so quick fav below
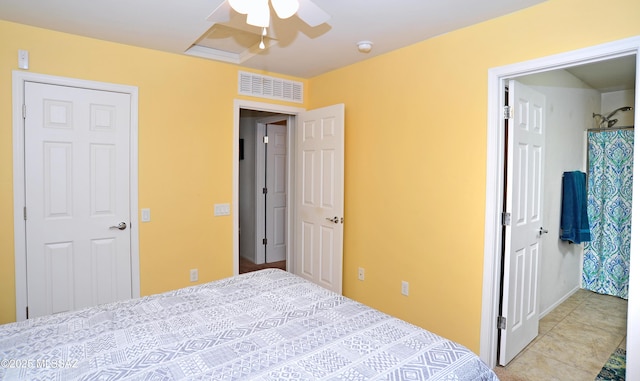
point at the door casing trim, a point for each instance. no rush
(494, 185)
(18, 81)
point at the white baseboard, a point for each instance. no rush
(559, 302)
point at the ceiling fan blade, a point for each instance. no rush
(221, 14)
(311, 13)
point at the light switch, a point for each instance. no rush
(146, 215)
(221, 210)
(23, 59)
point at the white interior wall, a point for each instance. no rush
(569, 105)
(246, 190)
(613, 100)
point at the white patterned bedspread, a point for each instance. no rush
(267, 325)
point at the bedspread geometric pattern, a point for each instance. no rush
(266, 325)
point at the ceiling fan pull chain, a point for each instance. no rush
(264, 33)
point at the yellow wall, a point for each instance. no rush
(415, 154)
(185, 150)
(415, 130)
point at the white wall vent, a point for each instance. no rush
(263, 86)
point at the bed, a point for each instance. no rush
(266, 325)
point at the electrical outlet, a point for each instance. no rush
(405, 288)
(193, 275)
(360, 273)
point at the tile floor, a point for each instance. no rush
(575, 339)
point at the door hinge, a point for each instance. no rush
(507, 112)
(264, 241)
(27, 312)
(24, 111)
(265, 139)
(265, 190)
(506, 219)
(24, 213)
(502, 322)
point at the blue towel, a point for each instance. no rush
(574, 222)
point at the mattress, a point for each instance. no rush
(266, 325)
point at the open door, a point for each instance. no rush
(523, 220)
(319, 196)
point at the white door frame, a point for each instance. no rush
(268, 107)
(494, 192)
(19, 79)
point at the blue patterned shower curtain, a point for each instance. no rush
(606, 257)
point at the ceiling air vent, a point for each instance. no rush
(269, 87)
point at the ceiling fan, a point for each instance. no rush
(258, 11)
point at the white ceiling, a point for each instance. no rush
(611, 75)
(295, 49)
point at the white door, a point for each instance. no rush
(525, 160)
(320, 196)
(276, 196)
(77, 194)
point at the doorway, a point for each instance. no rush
(263, 177)
(571, 102)
(495, 179)
(251, 111)
(315, 139)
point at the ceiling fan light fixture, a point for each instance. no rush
(242, 6)
(260, 14)
(285, 8)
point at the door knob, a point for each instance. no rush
(542, 231)
(120, 226)
(335, 219)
